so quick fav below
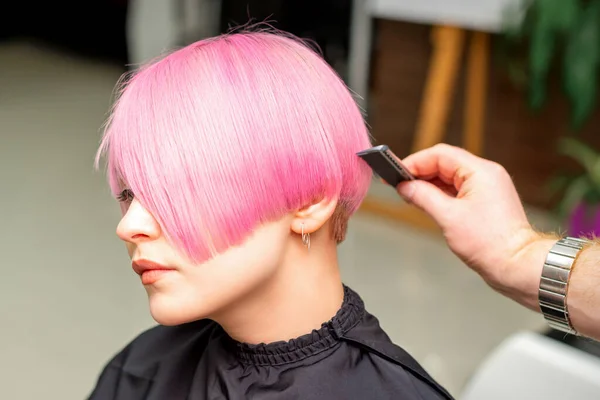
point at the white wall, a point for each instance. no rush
(156, 26)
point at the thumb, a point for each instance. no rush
(426, 196)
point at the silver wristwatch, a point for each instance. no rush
(554, 282)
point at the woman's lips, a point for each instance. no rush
(153, 275)
(150, 271)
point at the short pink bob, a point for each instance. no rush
(231, 132)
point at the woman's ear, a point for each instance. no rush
(310, 219)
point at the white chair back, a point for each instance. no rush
(529, 366)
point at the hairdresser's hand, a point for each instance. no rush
(477, 206)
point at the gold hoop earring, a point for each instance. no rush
(305, 237)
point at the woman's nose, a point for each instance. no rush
(138, 225)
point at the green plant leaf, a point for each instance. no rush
(584, 155)
(558, 183)
(584, 102)
(542, 47)
(551, 18)
(537, 92)
(593, 197)
(581, 62)
(574, 195)
(578, 151)
(594, 175)
(562, 15)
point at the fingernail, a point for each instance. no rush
(407, 190)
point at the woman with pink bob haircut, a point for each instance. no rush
(234, 160)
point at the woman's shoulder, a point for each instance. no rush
(156, 344)
(134, 367)
(392, 360)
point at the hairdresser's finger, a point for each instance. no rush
(428, 197)
(446, 187)
(424, 177)
(442, 160)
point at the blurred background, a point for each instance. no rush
(512, 81)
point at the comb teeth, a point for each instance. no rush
(400, 168)
(393, 161)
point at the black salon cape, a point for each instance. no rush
(350, 357)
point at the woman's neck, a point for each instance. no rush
(305, 292)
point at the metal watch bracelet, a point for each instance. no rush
(555, 280)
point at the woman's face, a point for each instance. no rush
(180, 291)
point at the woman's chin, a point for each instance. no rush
(170, 313)
(168, 320)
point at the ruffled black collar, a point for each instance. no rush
(317, 341)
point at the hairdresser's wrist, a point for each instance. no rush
(519, 279)
(583, 301)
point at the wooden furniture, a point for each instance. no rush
(448, 43)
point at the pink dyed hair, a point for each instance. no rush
(231, 132)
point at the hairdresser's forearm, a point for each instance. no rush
(583, 297)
